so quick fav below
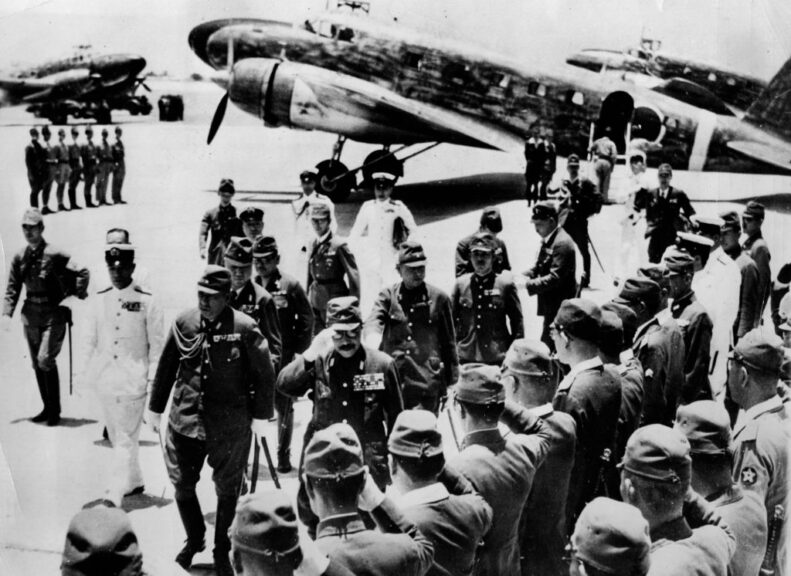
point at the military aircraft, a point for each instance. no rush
(382, 84)
(647, 65)
(83, 85)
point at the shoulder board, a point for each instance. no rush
(104, 290)
(139, 289)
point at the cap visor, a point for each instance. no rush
(414, 263)
(345, 326)
(237, 262)
(207, 290)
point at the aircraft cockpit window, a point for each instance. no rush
(537, 89)
(731, 81)
(413, 60)
(712, 77)
(500, 80)
(575, 97)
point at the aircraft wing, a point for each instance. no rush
(774, 155)
(64, 84)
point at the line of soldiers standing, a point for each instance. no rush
(66, 163)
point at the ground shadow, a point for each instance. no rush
(143, 501)
(76, 422)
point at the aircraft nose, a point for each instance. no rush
(200, 37)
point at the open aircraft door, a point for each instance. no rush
(615, 120)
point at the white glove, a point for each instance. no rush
(322, 344)
(5, 323)
(373, 340)
(259, 427)
(153, 420)
(314, 561)
(371, 497)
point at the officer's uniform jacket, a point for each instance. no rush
(222, 374)
(75, 158)
(125, 334)
(222, 223)
(418, 324)
(591, 394)
(481, 305)
(35, 161)
(632, 381)
(118, 152)
(376, 220)
(750, 304)
(744, 513)
(761, 439)
(463, 264)
(51, 157)
(502, 470)
(105, 152)
(302, 225)
(553, 277)
(534, 157)
(257, 303)
(696, 326)
(329, 261)
(293, 312)
(677, 549)
(758, 250)
(90, 157)
(575, 216)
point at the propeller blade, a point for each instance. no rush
(219, 114)
(144, 85)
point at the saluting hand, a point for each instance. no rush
(322, 344)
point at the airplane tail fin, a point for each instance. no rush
(772, 109)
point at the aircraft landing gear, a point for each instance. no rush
(334, 179)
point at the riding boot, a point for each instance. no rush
(226, 508)
(41, 379)
(192, 520)
(53, 396)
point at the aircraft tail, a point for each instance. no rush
(772, 109)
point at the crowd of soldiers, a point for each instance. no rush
(644, 435)
(65, 164)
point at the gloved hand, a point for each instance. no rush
(321, 344)
(5, 323)
(258, 427)
(373, 340)
(371, 497)
(153, 420)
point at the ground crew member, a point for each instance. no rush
(492, 224)
(591, 394)
(219, 363)
(707, 427)
(455, 523)
(534, 163)
(500, 468)
(52, 170)
(49, 275)
(580, 201)
(754, 244)
(749, 315)
(695, 324)
(605, 153)
(761, 434)
(36, 164)
(530, 378)
(666, 211)
(303, 230)
(75, 169)
(221, 222)
(61, 151)
(119, 166)
(90, 161)
(550, 163)
(252, 220)
(655, 478)
(552, 277)
(412, 321)
(296, 330)
(105, 157)
(338, 484)
(125, 334)
(486, 308)
(332, 268)
(610, 538)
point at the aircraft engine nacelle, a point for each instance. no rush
(648, 124)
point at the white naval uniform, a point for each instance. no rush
(125, 335)
(633, 252)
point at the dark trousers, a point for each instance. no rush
(533, 187)
(546, 178)
(578, 230)
(119, 172)
(74, 180)
(545, 337)
(657, 244)
(89, 174)
(36, 184)
(284, 405)
(45, 330)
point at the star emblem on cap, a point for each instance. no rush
(748, 476)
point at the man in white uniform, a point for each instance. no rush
(125, 337)
(632, 250)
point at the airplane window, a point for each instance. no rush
(671, 123)
(345, 34)
(501, 80)
(712, 77)
(731, 81)
(455, 72)
(537, 89)
(575, 97)
(413, 60)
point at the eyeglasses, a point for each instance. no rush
(339, 334)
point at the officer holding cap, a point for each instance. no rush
(105, 157)
(301, 206)
(119, 166)
(219, 363)
(761, 434)
(36, 164)
(707, 427)
(75, 168)
(486, 307)
(252, 219)
(90, 160)
(125, 332)
(52, 170)
(62, 176)
(491, 223)
(221, 222)
(750, 304)
(412, 321)
(553, 276)
(501, 468)
(580, 200)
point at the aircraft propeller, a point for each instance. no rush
(141, 81)
(219, 113)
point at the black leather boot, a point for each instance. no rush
(192, 520)
(226, 508)
(41, 379)
(53, 397)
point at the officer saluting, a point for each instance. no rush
(221, 222)
(219, 363)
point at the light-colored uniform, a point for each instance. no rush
(632, 253)
(125, 332)
(303, 229)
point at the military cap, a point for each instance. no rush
(45, 130)
(627, 316)
(334, 453)
(265, 524)
(32, 217)
(640, 289)
(74, 131)
(784, 275)
(730, 222)
(239, 251)
(251, 214)
(490, 217)
(89, 130)
(573, 160)
(529, 358)
(411, 254)
(33, 132)
(706, 425)
(544, 211)
(479, 384)
(101, 541)
(226, 185)
(343, 313)
(308, 176)
(104, 132)
(635, 155)
(695, 244)
(754, 210)
(265, 246)
(655, 272)
(760, 351)
(319, 210)
(579, 317)
(116, 255)
(611, 333)
(415, 435)
(708, 225)
(658, 453)
(612, 537)
(677, 262)
(61, 132)
(381, 175)
(664, 169)
(482, 242)
(215, 280)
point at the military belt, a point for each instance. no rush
(329, 282)
(37, 299)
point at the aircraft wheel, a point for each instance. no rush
(104, 117)
(336, 191)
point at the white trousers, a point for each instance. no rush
(124, 416)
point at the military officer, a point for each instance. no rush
(486, 308)
(302, 226)
(530, 378)
(49, 275)
(105, 158)
(61, 150)
(491, 223)
(332, 268)
(754, 244)
(219, 363)
(534, 162)
(252, 220)
(580, 201)
(749, 315)
(36, 164)
(90, 161)
(119, 166)
(761, 434)
(52, 170)
(604, 153)
(125, 333)
(550, 162)
(221, 222)
(695, 324)
(553, 276)
(296, 330)
(500, 468)
(75, 168)
(412, 321)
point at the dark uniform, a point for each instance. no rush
(750, 303)
(36, 164)
(105, 157)
(75, 166)
(548, 168)
(49, 275)
(90, 162)
(490, 222)
(61, 151)
(119, 167)
(534, 158)
(52, 170)
(758, 250)
(663, 211)
(580, 197)
(222, 223)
